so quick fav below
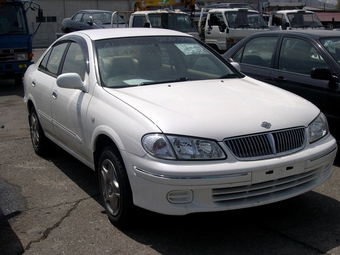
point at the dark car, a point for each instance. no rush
(91, 19)
(305, 62)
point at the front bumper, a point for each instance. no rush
(179, 188)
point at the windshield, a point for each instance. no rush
(137, 61)
(12, 20)
(105, 18)
(178, 22)
(304, 20)
(241, 19)
(332, 45)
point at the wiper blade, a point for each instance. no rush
(165, 81)
(229, 75)
(243, 26)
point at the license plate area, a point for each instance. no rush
(277, 173)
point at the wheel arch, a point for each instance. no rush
(29, 104)
(102, 142)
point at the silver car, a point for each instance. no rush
(91, 19)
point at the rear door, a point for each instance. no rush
(42, 83)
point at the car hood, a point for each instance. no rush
(218, 108)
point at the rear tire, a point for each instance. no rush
(115, 190)
(41, 144)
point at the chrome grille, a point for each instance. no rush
(267, 145)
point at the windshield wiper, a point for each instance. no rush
(165, 81)
(229, 75)
(243, 26)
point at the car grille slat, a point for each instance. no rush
(267, 145)
(268, 188)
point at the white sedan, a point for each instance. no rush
(172, 127)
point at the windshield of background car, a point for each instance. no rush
(103, 17)
(298, 20)
(178, 22)
(125, 62)
(243, 19)
(332, 45)
(12, 20)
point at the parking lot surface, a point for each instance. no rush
(51, 206)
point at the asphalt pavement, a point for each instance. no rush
(51, 206)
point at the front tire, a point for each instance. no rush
(115, 190)
(41, 144)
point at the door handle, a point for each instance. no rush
(279, 79)
(54, 94)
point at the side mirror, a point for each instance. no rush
(323, 73)
(286, 25)
(147, 24)
(209, 24)
(90, 21)
(224, 26)
(70, 81)
(40, 15)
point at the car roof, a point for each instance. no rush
(291, 11)
(99, 34)
(160, 11)
(232, 10)
(313, 33)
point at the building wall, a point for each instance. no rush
(56, 10)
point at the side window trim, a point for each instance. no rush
(68, 40)
(48, 61)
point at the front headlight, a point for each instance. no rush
(181, 147)
(318, 128)
(22, 57)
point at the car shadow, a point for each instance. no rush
(9, 241)
(310, 221)
(79, 173)
(11, 205)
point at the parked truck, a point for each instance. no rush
(16, 51)
(169, 14)
(221, 28)
(294, 19)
